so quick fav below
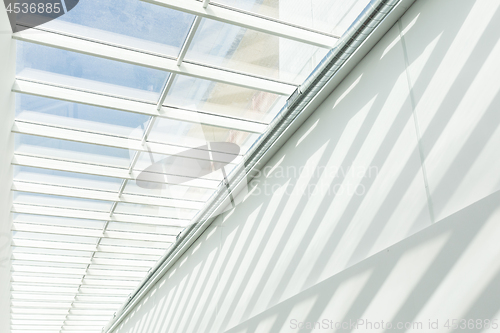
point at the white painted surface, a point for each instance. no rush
(7, 71)
(292, 250)
(453, 48)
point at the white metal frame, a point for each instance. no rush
(76, 44)
(245, 20)
(52, 292)
(117, 103)
(64, 133)
(99, 216)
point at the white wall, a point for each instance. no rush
(7, 72)
(419, 239)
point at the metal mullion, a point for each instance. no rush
(88, 211)
(43, 281)
(104, 291)
(36, 303)
(249, 21)
(125, 262)
(113, 282)
(143, 140)
(81, 282)
(96, 291)
(120, 192)
(120, 274)
(111, 298)
(88, 312)
(25, 277)
(85, 316)
(111, 273)
(39, 251)
(147, 131)
(110, 278)
(156, 256)
(36, 317)
(55, 248)
(57, 230)
(48, 328)
(67, 191)
(93, 254)
(92, 306)
(83, 168)
(68, 134)
(189, 39)
(109, 268)
(45, 264)
(76, 44)
(69, 165)
(75, 167)
(93, 215)
(165, 91)
(32, 321)
(48, 269)
(37, 288)
(132, 249)
(37, 311)
(49, 258)
(206, 3)
(40, 297)
(65, 93)
(28, 243)
(133, 162)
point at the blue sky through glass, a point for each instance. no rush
(117, 77)
(62, 149)
(79, 116)
(55, 177)
(141, 21)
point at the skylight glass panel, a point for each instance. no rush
(157, 171)
(112, 255)
(82, 117)
(173, 191)
(129, 23)
(59, 201)
(105, 281)
(66, 179)
(57, 221)
(54, 237)
(100, 194)
(328, 16)
(152, 229)
(149, 210)
(223, 99)
(56, 252)
(253, 52)
(48, 267)
(135, 243)
(69, 150)
(46, 278)
(194, 135)
(80, 71)
(93, 270)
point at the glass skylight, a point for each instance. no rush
(254, 52)
(88, 118)
(81, 71)
(331, 17)
(223, 99)
(130, 23)
(129, 116)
